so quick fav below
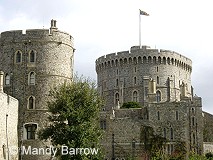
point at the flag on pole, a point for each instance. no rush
(143, 13)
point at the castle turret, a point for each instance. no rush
(35, 62)
(135, 67)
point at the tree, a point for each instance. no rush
(74, 116)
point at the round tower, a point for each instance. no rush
(34, 63)
(125, 76)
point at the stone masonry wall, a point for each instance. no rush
(8, 127)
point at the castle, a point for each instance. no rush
(160, 80)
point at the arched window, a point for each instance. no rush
(31, 78)
(135, 96)
(32, 56)
(158, 96)
(193, 111)
(116, 98)
(7, 79)
(31, 103)
(18, 57)
(30, 131)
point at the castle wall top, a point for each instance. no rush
(136, 51)
(37, 34)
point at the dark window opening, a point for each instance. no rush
(31, 130)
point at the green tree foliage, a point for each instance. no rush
(74, 116)
(131, 105)
(209, 155)
(153, 144)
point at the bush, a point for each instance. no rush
(131, 105)
(209, 155)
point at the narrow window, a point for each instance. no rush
(32, 56)
(193, 111)
(171, 133)
(116, 98)
(31, 131)
(32, 78)
(135, 80)
(135, 96)
(164, 132)
(7, 79)
(135, 69)
(18, 57)
(193, 121)
(158, 114)
(177, 115)
(157, 69)
(158, 80)
(4, 151)
(116, 82)
(31, 102)
(158, 96)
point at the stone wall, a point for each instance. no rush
(8, 127)
(208, 147)
(208, 127)
(172, 120)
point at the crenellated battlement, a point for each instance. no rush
(144, 55)
(36, 35)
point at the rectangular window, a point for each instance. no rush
(103, 124)
(31, 130)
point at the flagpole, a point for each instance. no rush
(145, 14)
(139, 29)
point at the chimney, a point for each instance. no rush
(1, 81)
(53, 26)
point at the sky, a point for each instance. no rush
(101, 27)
